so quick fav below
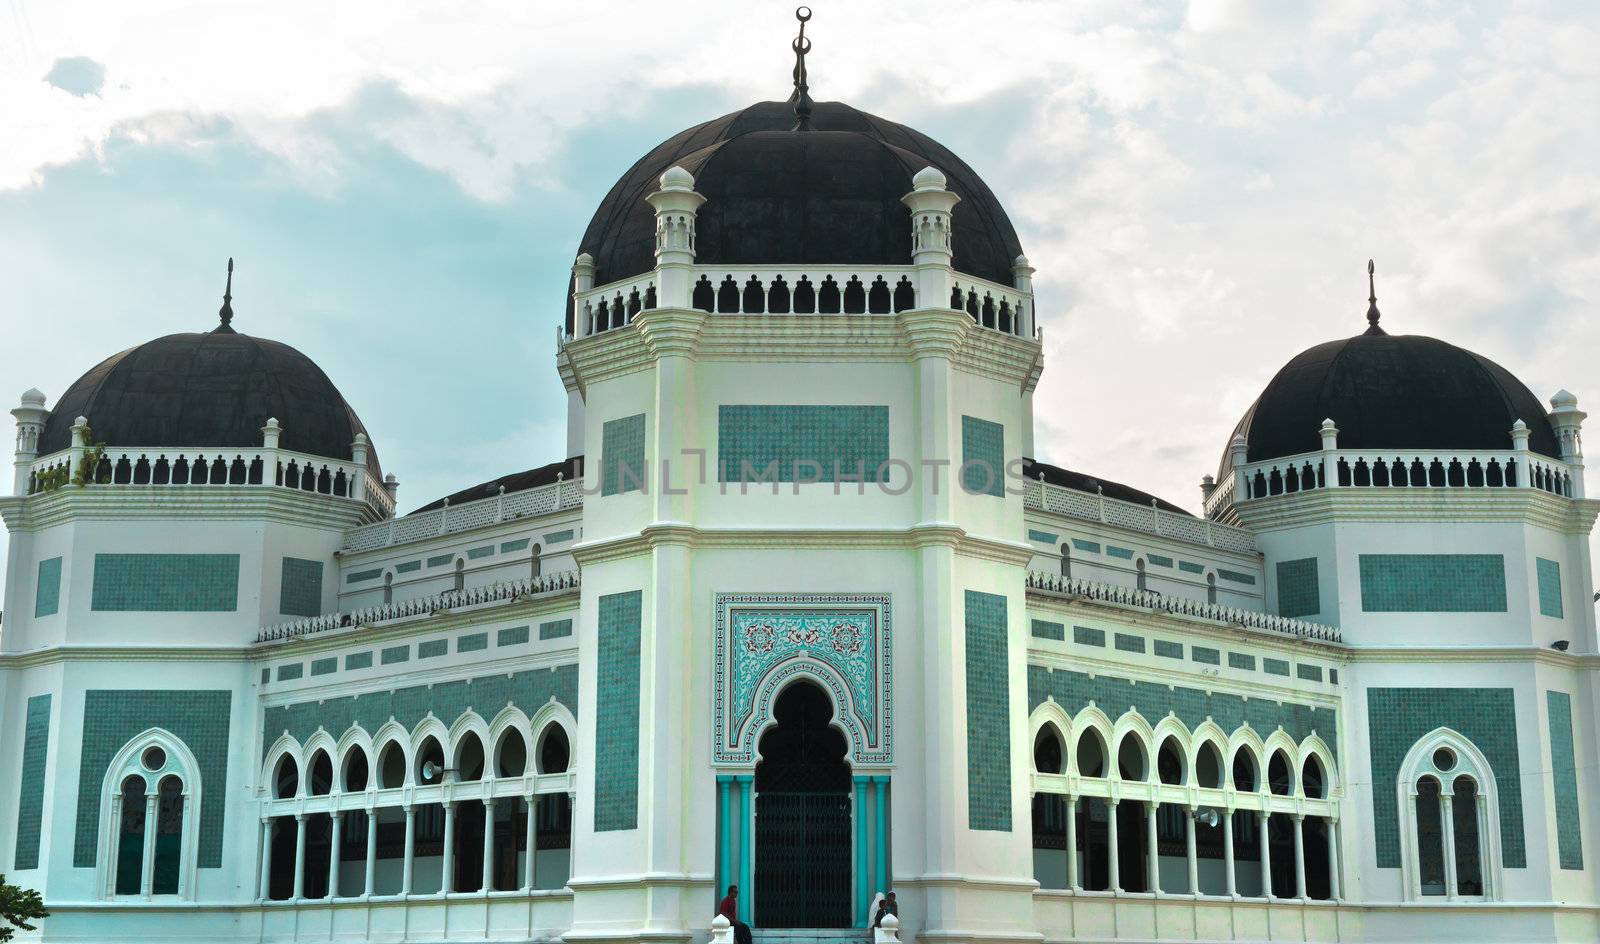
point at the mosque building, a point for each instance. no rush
(799, 607)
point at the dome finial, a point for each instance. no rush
(1372, 301)
(802, 91)
(226, 311)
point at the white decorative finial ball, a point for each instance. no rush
(928, 178)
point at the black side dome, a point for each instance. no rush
(1390, 392)
(212, 389)
(830, 194)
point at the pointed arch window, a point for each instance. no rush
(148, 822)
(1451, 820)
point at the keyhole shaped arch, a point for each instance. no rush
(1469, 762)
(178, 762)
(823, 676)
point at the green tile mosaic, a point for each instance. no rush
(1564, 774)
(479, 553)
(1549, 573)
(519, 544)
(1157, 560)
(1167, 649)
(408, 567)
(358, 660)
(326, 666)
(1240, 660)
(1333, 676)
(432, 648)
(1433, 583)
(1205, 655)
(616, 753)
(1397, 717)
(622, 455)
(1043, 537)
(448, 701)
(1308, 673)
(558, 537)
(30, 782)
(47, 589)
(266, 675)
(1043, 629)
(394, 655)
(1073, 690)
(440, 560)
(472, 642)
(1273, 666)
(1299, 592)
(1091, 547)
(112, 718)
(1234, 576)
(555, 629)
(512, 636)
(983, 457)
(166, 583)
(291, 671)
(1126, 642)
(362, 576)
(778, 443)
(1125, 553)
(1089, 636)
(1190, 567)
(988, 713)
(300, 587)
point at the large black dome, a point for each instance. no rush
(1391, 392)
(830, 194)
(213, 389)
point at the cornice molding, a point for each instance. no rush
(228, 502)
(1433, 505)
(1181, 623)
(922, 535)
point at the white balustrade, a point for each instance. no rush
(527, 503)
(1040, 581)
(1148, 519)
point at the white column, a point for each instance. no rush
(1486, 868)
(266, 858)
(448, 880)
(1072, 843)
(1414, 840)
(299, 856)
(337, 819)
(488, 845)
(1111, 832)
(1189, 845)
(411, 851)
(1299, 856)
(529, 868)
(1448, 830)
(147, 874)
(1333, 859)
(676, 204)
(1227, 853)
(1264, 818)
(372, 854)
(1152, 855)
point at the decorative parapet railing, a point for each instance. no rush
(209, 467)
(532, 502)
(1372, 468)
(564, 581)
(1150, 519)
(1055, 584)
(813, 289)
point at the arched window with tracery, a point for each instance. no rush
(147, 820)
(1450, 845)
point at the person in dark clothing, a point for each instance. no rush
(729, 908)
(888, 906)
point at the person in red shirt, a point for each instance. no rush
(729, 908)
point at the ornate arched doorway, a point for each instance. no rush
(802, 860)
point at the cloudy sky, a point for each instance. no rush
(1200, 186)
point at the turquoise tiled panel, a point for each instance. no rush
(1126, 642)
(300, 587)
(326, 666)
(478, 553)
(30, 785)
(361, 576)
(1089, 636)
(1308, 673)
(47, 591)
(358, 660)
(1156, 560)
(166, 583)
(1235, 577)
(1397, 717)
(1333, 676)
(1073, 690)
(1190, 567)
(200, 719)
(983, 457)
(1299, 593)
(519, 544)
(1043, 629)
(1239, 660)
(1433, 583)
(780, 443)
(1044, 537)
(439, 560)
(1273, 666)
(266, 675)
(555, 629)
(1079, 544)
(1169, 650)
(1549, 587)
(1205, 654)
(447, 700)
(622, 455)
(616, 775)
(1125, 553)
(432, 648)
(1564, 771)
(556, 537)
(472, 642)
(514, 636)
(408, 567)
(291, 671)
(988, 713)
(396, 654)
